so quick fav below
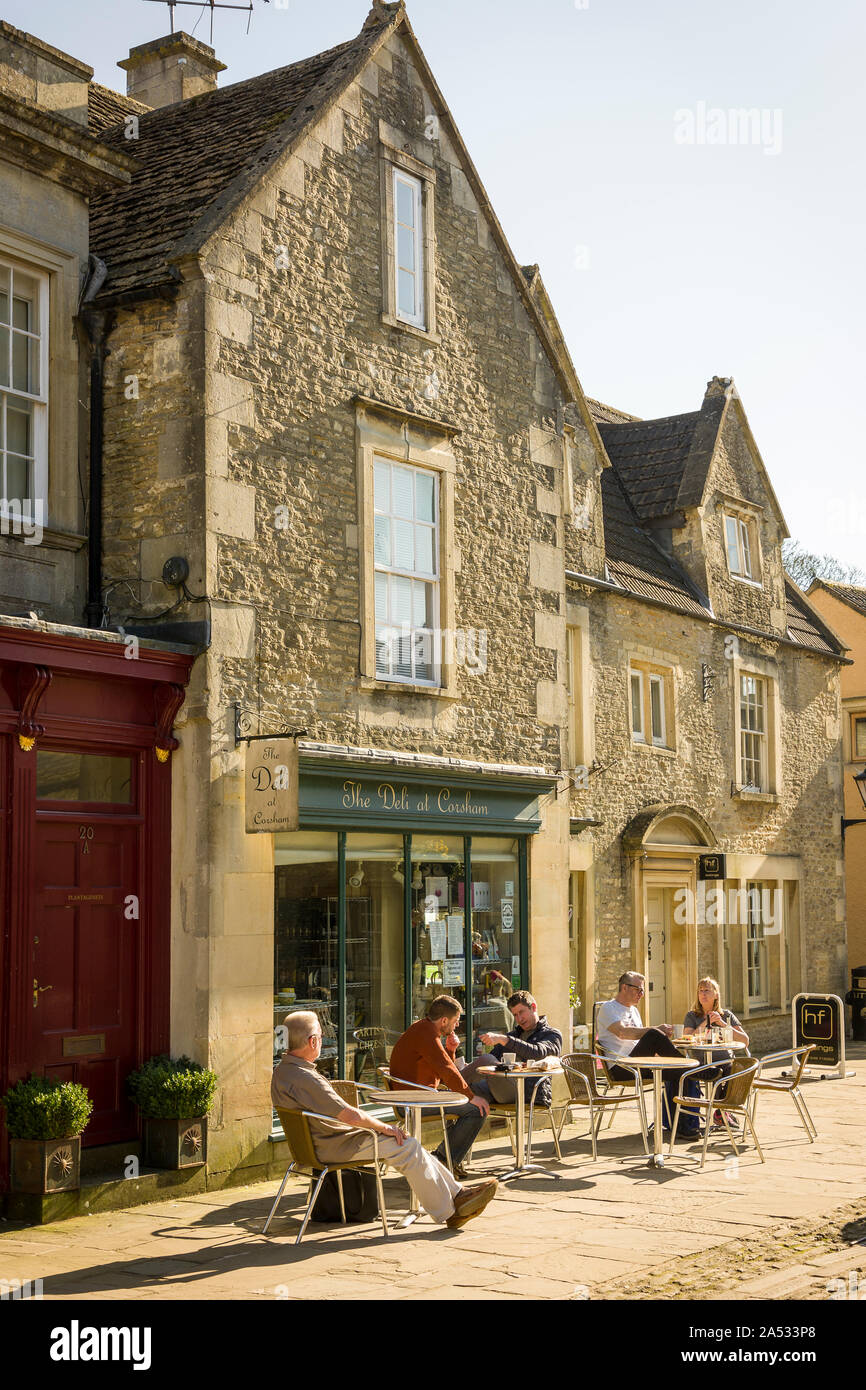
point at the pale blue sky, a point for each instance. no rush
(667, 263)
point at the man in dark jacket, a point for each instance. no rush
(531, 1039)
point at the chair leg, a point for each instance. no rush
(556, 1147)
(803, 1111)
(277, 1199)
(676, 1126)
(747, 1117)
(724, 1115)
(310, 1205)
(380, 1193)
(445, 1139)
(707, 1127)
(644, 1127)
(511, 1137)
(340, 1190)
(594, 1127)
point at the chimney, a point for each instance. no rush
(33, 71)
(172, 69)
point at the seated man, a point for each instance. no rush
(530, 1039)
(423, 1056)
(297, 1085)
(621, 1034)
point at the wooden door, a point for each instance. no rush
(657, 940)
(83, 984)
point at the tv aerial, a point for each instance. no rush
(205, 4)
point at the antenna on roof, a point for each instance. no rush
(201, 4)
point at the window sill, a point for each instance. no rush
(660, 748)
(750, 583)
(762, 798)
(391, 322)
(433, 692)
(51, 540)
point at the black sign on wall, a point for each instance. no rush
(712, 867)
(819, 1020)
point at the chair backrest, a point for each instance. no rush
(740, 1082)
(799, 1058)
(347, 1091)
(595, 1008)
(582, 1063)
(296, 1128)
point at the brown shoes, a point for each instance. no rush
(471, 1201)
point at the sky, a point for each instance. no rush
(677, 242)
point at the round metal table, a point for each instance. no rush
(522, 1138)
(656, 1065)
(415, 1103)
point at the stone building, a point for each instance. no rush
(346, 458)
(843, 607)
(705, 723)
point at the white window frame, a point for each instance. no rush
(418, 317)
(746, 568)
(757, 955)
(38, 483)
(637, 735)
(761, 735)
(434, 581)
(651, 675)
(660, 739)
(856, 716)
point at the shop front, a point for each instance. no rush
(404, 881)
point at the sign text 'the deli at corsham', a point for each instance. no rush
(391, 798)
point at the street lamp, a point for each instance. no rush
(860, 784)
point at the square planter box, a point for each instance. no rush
(175, 1143)
(45, 1165)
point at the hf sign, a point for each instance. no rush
(271, 779)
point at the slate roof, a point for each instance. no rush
(804, 626)
(650, 457)
(607, 414)
(634, 560)
(197, 156)
(851, 594)
(106, 108)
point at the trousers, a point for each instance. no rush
(462, 1134)
(429, 1179)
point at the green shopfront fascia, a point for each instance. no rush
(402, 883)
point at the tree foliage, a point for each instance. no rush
(803, 566)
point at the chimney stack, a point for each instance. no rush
(172, 69)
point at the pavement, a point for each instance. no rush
(793, 1227)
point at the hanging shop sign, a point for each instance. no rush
(351, 794)
(271, 786)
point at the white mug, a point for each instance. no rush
(509, 1058)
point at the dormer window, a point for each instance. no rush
(739, 545)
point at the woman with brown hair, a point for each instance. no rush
(708, 1013)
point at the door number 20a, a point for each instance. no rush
(85, 835)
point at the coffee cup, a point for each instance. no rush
(509, 1058)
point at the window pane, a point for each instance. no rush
(4, 356)
(401, 601)
(437, 894)
(636, 711)
(733, 551)
(374, 952)
(83, 777)
(405, 203)
(423, 656)
(381, 597)
(656, 705)
(4, 293)
(860, 738)
(406, 249)
(18, 434)
(305, 937)
(406, 292)
(422, 605)
(17, 479)
(22, 311)
(382, 477)
(496, 933)
(383, 540)
(747, 549)
(402, 485)
(404, 545)
(424, 497)
(424, 550)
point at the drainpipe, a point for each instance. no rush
(97, 325)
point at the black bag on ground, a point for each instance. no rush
(359, 1195)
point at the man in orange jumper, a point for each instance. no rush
(423, 1056)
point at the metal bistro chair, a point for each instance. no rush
(394, 1083)
(296, 1128)
(788, 1083)
(581, 1073)
(507, 1110)
(737, 1086)
(607, 1060)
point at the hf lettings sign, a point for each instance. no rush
(272, 786)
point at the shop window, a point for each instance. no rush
(88, 777)
(23, 384)
(305, 937)
(496, 935)
(375, 994)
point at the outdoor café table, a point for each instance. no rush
(415, 1103)
(522, 1138)
(656, 1065)
(689, 1045)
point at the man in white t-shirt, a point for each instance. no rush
(622, 1034)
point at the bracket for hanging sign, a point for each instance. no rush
(244, 722)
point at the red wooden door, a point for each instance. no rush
(84, 952)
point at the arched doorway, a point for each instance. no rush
(665, 844)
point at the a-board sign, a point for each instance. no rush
(819, 1021)
(271, 778)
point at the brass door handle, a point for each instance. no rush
(37, 990)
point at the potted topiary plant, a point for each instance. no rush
(173, 1096)
(45, 1119)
